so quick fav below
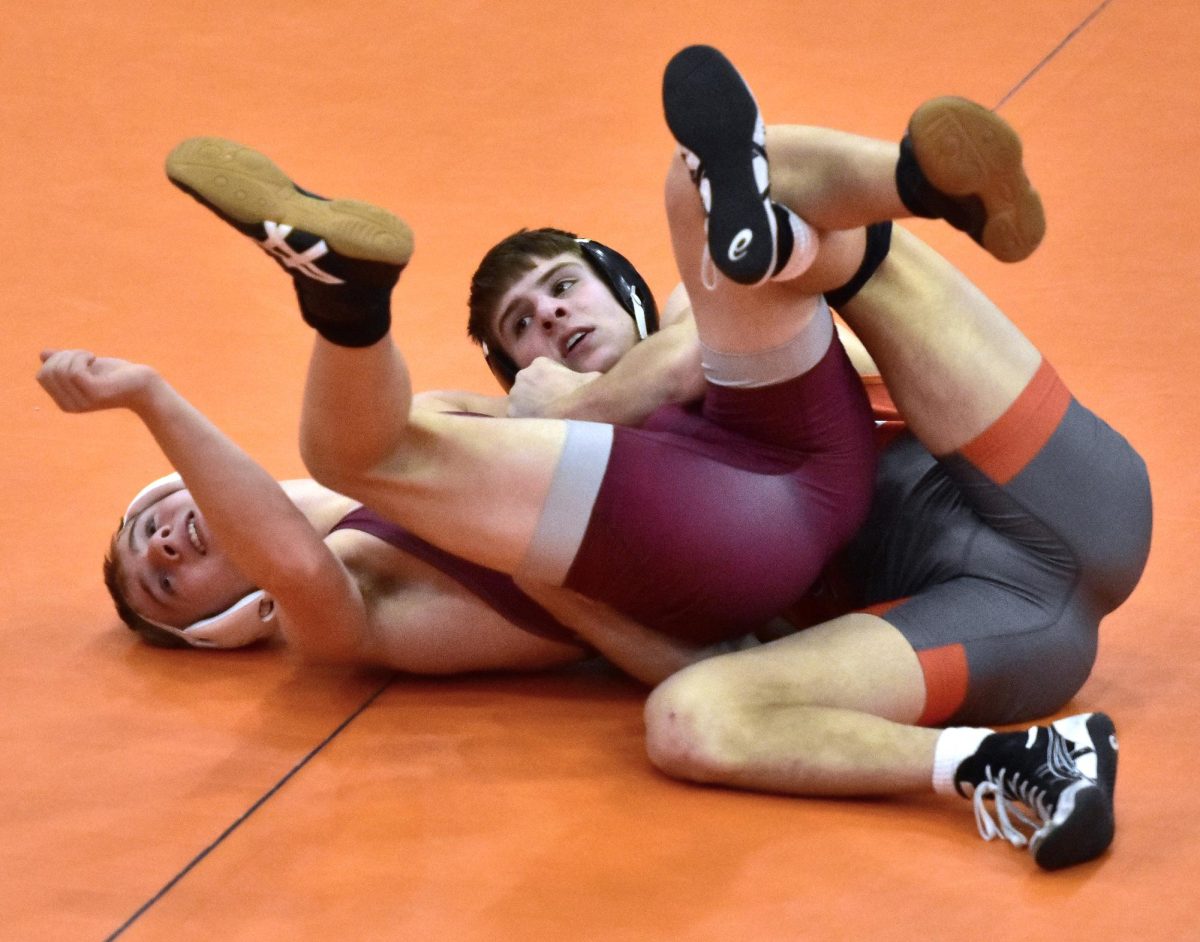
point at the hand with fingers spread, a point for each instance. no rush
(81, 381)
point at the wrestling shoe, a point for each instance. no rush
(1055, 782)
(715, 119)
(961, 162)
(344, 256)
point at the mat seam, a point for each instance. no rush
(245, 815)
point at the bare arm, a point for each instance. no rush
(246, 509)
(663, 368)
(644, 654)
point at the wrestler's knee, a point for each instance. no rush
(411, 454)
(696, 727)
(328, 466)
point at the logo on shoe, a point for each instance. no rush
(740, 245)
(276, 246)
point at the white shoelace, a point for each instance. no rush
(1003, 825)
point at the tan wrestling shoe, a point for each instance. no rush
(344, 256)
(247, 190)
(963, 163)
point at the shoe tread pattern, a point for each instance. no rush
(712, 113)
(246, 189)
(966, 150)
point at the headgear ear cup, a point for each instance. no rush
(244, 622)
(501, 365)
(623, 280)
(626, 283)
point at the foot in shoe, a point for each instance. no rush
(1041, 791)
(327, 241)
(714, 117)
(1094, 746)
(971, 156)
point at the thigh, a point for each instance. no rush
(1082, 500)
(995, 652)
(470, 485)
(857, 662)
(687, 539)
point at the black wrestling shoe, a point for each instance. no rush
(1065, 787)
(1095, 740)
(961, 162)
(343, 255)
(713, 115)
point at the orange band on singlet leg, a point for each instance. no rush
(945, 669)
(1003, 449)
(882, 608)
(946, 675)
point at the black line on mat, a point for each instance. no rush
(195, 861)
(1051, 54)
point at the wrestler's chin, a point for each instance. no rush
(598, 360)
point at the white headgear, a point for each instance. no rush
(244, 622)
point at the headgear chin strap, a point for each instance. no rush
(625, 282)
(244, 622)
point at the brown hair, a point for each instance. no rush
(502, 266)
(114, 582)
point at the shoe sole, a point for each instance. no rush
(966, 150)
(1084, 834)
(246, 188)
(712, 113)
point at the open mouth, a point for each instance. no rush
(194, 537)
(573, 341)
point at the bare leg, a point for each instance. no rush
(726, 234)
(828, 712)
(951, 359)
(474, 487)
(730, 317)
(834, 179)
(822, 712)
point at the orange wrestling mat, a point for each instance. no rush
(152, 794)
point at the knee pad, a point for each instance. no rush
(879, 241)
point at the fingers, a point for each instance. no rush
(64, 375)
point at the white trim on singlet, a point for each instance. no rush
(568, 506)
(777, 365)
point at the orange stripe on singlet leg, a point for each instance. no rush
(1004, 449)
(946, 675)
(945, 669)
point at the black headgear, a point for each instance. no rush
(628, 287)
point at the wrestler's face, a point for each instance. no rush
(174, 572)
(563, 310)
